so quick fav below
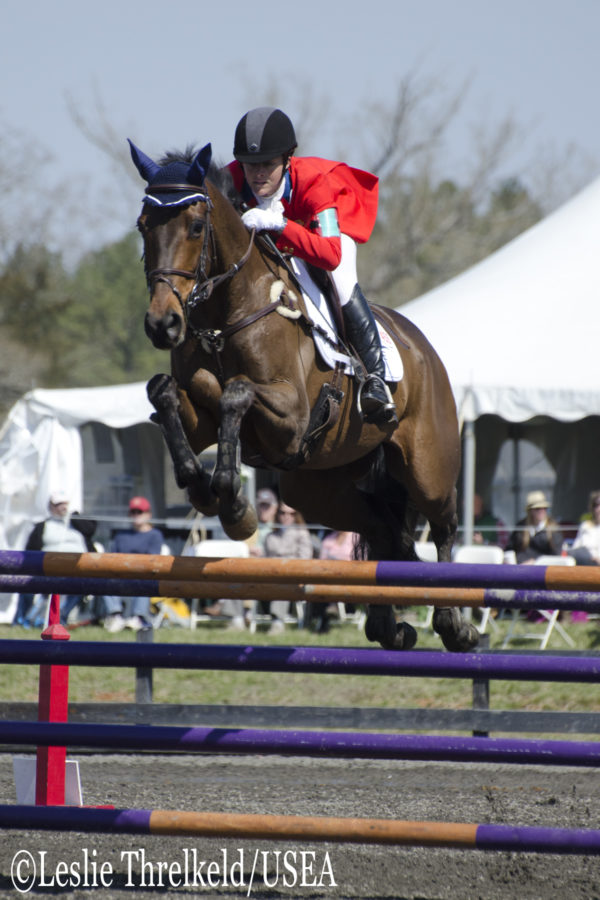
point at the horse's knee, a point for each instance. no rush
(235, 400)
(162, 392)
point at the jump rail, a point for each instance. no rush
(452, 835)
(302, 743)
(294, 571)
(326, 660)
(507, 598)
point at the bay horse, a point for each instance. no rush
(245, 375)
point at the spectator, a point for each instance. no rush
(586, 546)
(488, 528)
(335, 545)
(537, 534)
(133, 612)
(266, 510)
(62, 534)
(289, 540)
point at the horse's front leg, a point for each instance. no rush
(163, 394)
(237, 516)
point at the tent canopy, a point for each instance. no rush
(41, 448)
(517, 331)
(518, 336)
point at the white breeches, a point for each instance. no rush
(344, 277)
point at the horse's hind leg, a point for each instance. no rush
(237, 516)
(456, 633)
(163, 394)
(331, 498)
(394, 539)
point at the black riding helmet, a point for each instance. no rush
(263, 133)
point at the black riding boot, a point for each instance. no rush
(375, 399)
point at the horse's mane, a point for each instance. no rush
(218, 174)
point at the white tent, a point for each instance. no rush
(518, 332)
(42, 448)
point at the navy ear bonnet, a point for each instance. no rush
(178, 183)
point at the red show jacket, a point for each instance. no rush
(313, 185)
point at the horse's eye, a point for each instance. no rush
(196, 228)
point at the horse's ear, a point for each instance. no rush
(199, 168)
(145, 166)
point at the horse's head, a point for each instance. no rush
(174, 226)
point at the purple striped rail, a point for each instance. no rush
(464, 836)
(507, 598)
(294, 571)
(357, 745)
(325, 660)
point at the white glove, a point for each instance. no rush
(264, 219)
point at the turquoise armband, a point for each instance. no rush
(328, 223)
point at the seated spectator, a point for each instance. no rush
(537, 534)
(289, 540)
(266, 511)
(61, 534)
(133, 612)
(335, 545)
(586, 546)
(487, 528)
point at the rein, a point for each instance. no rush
(201, 290)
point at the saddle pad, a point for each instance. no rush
(318, 310)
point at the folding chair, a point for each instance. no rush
(223, 548)
(550, 615)
(481, 553)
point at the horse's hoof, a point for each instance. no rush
(406, 637)
(391, 635)
(242, 528)
(198, 499)
(457, 635)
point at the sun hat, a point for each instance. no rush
(536, 500)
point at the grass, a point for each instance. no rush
(20, 683)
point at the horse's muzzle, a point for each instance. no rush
(165, 331)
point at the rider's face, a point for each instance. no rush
(265, 177)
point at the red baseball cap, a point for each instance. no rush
(139, 503)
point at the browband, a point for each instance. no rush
(158, 188)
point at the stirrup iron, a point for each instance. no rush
(385, 411)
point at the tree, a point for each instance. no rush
(103, 324)
(33, 294)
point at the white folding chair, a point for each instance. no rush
(221, 548)
(550, 615)
(486, 554)
(427, 552)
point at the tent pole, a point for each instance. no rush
(468, 490)
(516, 473)
(468, 479)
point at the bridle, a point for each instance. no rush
(203, 285)
(212, 340)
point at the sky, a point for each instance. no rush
(169, 75)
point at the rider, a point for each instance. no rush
(318, 210)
